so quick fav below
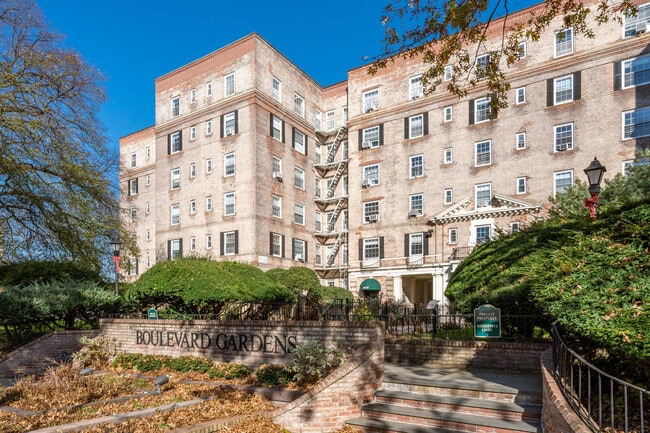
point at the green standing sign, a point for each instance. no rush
(487, 321)
(153, 314)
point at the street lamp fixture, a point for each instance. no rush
(116, 244)
(594, 174)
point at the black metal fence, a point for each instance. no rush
(604, 402)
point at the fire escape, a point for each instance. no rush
(334, 204)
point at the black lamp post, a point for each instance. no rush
(594, 173)
(116, 244)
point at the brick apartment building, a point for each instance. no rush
(369, 181)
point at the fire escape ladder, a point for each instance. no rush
(335, 215)
(335, 250)
(340, 169)
(340, 135)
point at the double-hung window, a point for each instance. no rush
(229, 164)
(193, 96)
(229, 243)
(416, 164)
(562, 181)
(371, 174)
(563, 42)
(564, 137)
(371, 252)
(208, 166)
(277, 128)
(175, 249)
(482, 234)
(449, 196)
(638, 24)
(416, 244)
(371, 137)
(176, 178)
(299, 178)
(176, 106)
(299, 253)
(416, 127)
(520, 95)
(229, 126)
(175, 212)
(276, 244)
(133, 186)
(636, 72)
(208, 88)
(483, 194)
(520, 140)
(192, 170)
(482, 65)
(277, 206)
(277, 167)
(208, 204)
(449, 155)
(299, 214)
(449, 73)
(299, 141)
(192, 207)
(563, 89)
(415, 87)
(208, 127)
(277, 89)
(636, 123)
(416, 203)
(208, 242)
(192, 132)
(448, 116)
(229, 85)
(134, 159)
(453, 235)
(521, 185)
(299, 105)
(330, 118)
(371, 212)
(370, 101)
(482, 109)
(229, 203)
(174, 142)
(483, 153)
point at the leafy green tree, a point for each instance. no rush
(298, 279)
(55, 165)
(455, 33)
(39, 271)
(203, 286)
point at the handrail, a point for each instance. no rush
(623, 415)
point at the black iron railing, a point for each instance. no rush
(604, 402)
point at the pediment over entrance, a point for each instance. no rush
(500, 206)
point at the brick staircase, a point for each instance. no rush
(420, 399)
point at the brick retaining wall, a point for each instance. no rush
(522, 357)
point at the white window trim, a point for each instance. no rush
(415, 87)
(555, 89)
(555, 179)
(520, 91)
(368, 101)
(448, 196)
(448, 114)
(641, 110)
(448, 151)
(525, 185)
(555, 144)
(555, 43)
(227, 197)
(489, 153)
(412, 126)
(412, 159)
(517, 141)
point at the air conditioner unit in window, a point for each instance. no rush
(370, 109)
(277, 175)
(373, 218)
(229, 132)
(299, 257)
(365, 183)
(414, 213)
(366, 144)
(562, 147)
(641, 28)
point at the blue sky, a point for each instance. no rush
(134, 42)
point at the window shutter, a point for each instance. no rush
(360, 249)
(271, 126)
(407, 250)
(222, 125)
(270, 243)
(471, 111)
(282, 246)
(306, 145)
(282, 130)
(293, 248)
(180, 140)
(169, 250)
(381, 247)
(407, 130)
(425, 123)
(618, 78)
(305, 251)
(236, 122)
(493, 98)
(381, 134)
(425, 243)
(577, 84)
(549, 92)
(360, 139)
(293, 137)
(222, 241)
(169, 144)
(236, 241)
(180, 248)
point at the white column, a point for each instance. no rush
(438, 286)
(398, 291)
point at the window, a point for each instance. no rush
(208, 204)
(449, 196)
(147, 207)
(370, 101)
(371, 175)
(299, 141)
(175, 249)
(449, 155)
(208, 88)
(193, 96)
(318, 221)
(277, 244)
(416, 203)
(453, 236)
(277, 167)
(192, 207)
(482, 234)
(483, 195)
(514, 227)
(277, 90)
(277, 128)
(564, 137)
(629, 166)
(134, 213)
(192, 170)
(317, 187)
(229, 84)
(208, 166)
(318, 259)
(277, 206)
(299, 105)
(449, 73)
(192, 243)
(299, 214)
(147, 152)
(522, 50)
(371, 212)
(482, 109)
(448, 114)
(147, 235)
(299, 178)
(416, 164)
(344, 115)
(330, 118)
(482, 65)
(563, 90)
(148, 262)
(174, 142)
(133, 186)
(147, 180)
(229, 164)
(134, 159)
(371, 137)
(520, 95)
(521, 185)
(208, 242)
(318, 120)
(520, 141)
(175, 214)
(208, 127)
(371, 250)
(564, 42)
(229, 203)
(176, 106)
(636, 72)
(416, 244)
(299, 250)
(229, 124)
(562, 181)
(415, 87)
(483, 154)
(635, 25)
(193, 133)
(176, 178)
(636, 123)
(416, 126)
(229, 243)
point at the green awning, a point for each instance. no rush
(370, 285)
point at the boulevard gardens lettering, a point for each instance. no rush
(219, 342)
